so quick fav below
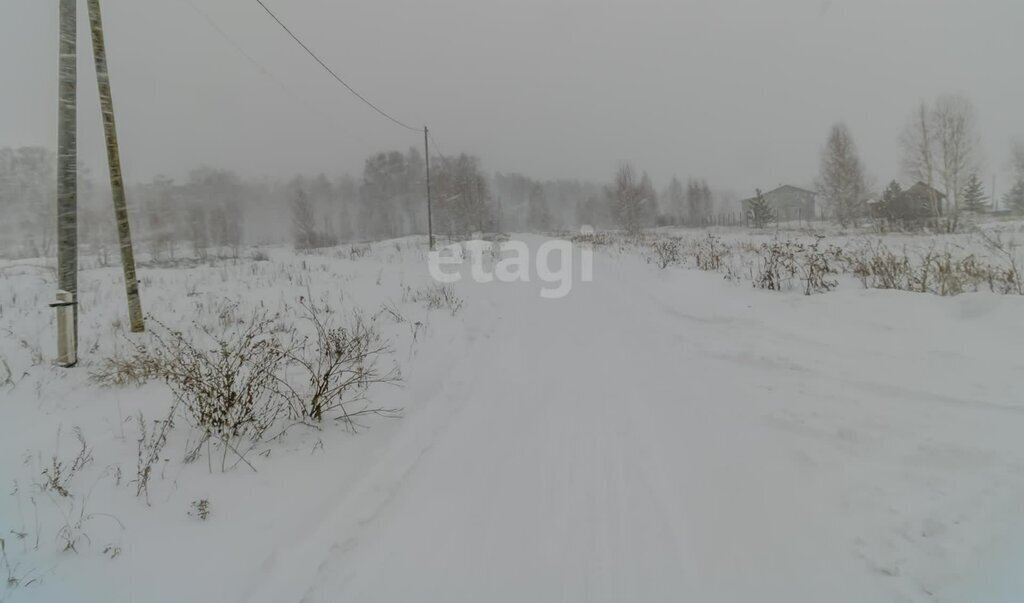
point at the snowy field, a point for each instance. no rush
(655, 435)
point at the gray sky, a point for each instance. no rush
(741, 92)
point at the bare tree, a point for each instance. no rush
(229, 230)
(198, 229)
(303, 219)
(463, 195)
(919, 161)
(1018, 158)
(27, 188)
(941, 145)
(676, 200)
(841, 178)
(956, 134)
(626, 197)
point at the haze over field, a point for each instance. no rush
(716, 301)
(739, 92)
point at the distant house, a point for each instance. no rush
(913, 207)
(791, 202)
(921, 201)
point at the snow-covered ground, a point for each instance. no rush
(656, 435)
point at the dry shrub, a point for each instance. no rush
(879, 268)
(358, 252)
(71, 500)
(435, 297)
(779, 263)
(132, 369)
(776, 266)
(227, 383)
(338, 367)
(594, 239)
(709, 252)
(933, 271)
(818, 266)
(1009, 276)
(58, 475)
(666, 252)
(151, 443)
(237, 382)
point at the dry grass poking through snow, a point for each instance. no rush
(236, 382)
(242, 359)
(948, 265)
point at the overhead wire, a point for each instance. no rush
(333, 74)
(263, 70)
(437, 147)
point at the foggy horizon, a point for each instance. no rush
(552, 92)
(688, 300)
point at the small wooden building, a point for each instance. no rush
(912, 208)
(919, 202)
(790, 202)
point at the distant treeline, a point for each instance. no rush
(215, 211)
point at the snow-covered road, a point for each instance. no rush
(666, 436)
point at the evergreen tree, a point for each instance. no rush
(1014, 199)
(890, 207)
(761, 212)
(891, 196)
(973, 195)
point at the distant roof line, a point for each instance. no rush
(919, 185)
(778, 188)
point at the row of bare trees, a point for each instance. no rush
(27, 193)
(942, 155)
(633, 203)
(525, 204)
(942, 147)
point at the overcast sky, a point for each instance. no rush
(741, 92)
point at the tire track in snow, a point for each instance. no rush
(352, 507)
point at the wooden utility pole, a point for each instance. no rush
(67, 190)
(131, 281)
(430, 219)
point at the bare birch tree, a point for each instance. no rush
(956, 135)
(941, 145)
(918, 142)
(841, 179)
(626, 197)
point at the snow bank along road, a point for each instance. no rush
(667, 436)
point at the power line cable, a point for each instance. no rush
(209, 20)
(437, 146)
(261, 68)
(333, 74)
